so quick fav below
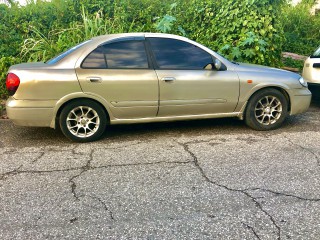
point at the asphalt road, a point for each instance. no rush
(212, 179)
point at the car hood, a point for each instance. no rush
(264, 69)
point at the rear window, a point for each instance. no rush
(66, 53)
(118, 55)
(316, 54)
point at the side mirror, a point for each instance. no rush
(217, 64)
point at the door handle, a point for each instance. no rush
(94, 79)
(168, 79)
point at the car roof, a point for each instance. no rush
(138, 35)
(94, 42)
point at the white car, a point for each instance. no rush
(311, 72)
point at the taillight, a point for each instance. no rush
(12, 83)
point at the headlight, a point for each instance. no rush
(303, 82)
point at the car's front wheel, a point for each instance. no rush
(83, 120)
(266, 110)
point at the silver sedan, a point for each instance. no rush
(148, 77)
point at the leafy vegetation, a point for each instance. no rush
(293, 63)
(301, 29)
(242, 30)
(251, 32)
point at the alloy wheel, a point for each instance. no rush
(268, 110)
(83, 121)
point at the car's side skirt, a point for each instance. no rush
(175, 118)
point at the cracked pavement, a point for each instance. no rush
(211, 179)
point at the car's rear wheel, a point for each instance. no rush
(266, 110)
(83, 121)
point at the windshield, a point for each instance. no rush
(316, 54)
(66, 53)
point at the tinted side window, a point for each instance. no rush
(127, 54)
(95, 59)
(176, 54)
(316, 54)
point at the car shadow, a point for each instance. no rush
(29, 136)
(192, 127)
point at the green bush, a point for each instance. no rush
(289, 62)
(10, 37)
(242, 30)
(301, 29)
(249, 31)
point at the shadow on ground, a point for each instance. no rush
(24, 135)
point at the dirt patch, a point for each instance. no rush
(3, 113)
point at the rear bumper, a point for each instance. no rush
(300, 100)
(30, 113)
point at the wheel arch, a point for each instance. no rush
(61, 104)
(280, 89)
(249, 113)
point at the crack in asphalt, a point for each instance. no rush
(88, 166)
(104, 205)
(253, 199)
(246, 191)
(123, 146)
(216, 140)
(250, 139)
(82, 169)
(283, 194)
(252, 230)
(13, 172)
(255, 189)
(38, 158)
(17, 172)
(73, 185)
(10, 151)
(305, 149)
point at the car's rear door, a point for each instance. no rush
(120, 72)
(186, 87)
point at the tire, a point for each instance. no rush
(266, 110)
(83, 121)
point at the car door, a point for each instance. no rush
(187, 86)
(120, 73)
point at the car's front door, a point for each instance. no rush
(186, 87)
(120, 73)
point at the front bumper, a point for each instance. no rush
(300, 100)
(30, 112)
